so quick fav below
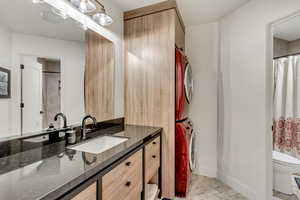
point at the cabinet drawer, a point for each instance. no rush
(152, 158)
(89, 193)
(135, 194)
(125, 180)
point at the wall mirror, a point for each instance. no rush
(49, 63)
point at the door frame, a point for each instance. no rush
(269, 100)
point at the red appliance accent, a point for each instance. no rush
(181, 161)
(182, 170)
(180, 60)
(188, 134)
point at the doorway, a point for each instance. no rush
(285, 106)
(40, 93)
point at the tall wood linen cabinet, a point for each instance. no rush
(151, 34)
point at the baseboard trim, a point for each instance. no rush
(237, 185)
(209, 172)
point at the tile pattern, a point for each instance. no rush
(282, 196)
(204, 188)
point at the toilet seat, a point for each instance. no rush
(284, 159)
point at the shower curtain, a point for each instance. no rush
(286, 102)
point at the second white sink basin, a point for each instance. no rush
(99, 145)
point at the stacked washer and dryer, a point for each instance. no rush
(184, 132)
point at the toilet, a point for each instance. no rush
(284, 166)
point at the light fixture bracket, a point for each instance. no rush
(99, 14)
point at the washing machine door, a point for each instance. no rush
(188, 83)
(192, 151)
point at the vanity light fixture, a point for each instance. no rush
(85, 6)
(102, 17)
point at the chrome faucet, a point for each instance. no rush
(84, 129)
(64, 118)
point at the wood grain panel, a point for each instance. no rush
(150, 82)
(123, 170)
(152, 159)
(99, 77)
(89, 193)
(155, 8)
(125, 181)
(179, 34)
(125, 189)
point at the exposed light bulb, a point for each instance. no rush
(103, 19)
(85, 6)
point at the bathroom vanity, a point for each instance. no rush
(59, 71)
(125, 178)
(120, 172)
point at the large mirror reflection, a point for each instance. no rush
(43, 62)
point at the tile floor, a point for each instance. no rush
(204, 188)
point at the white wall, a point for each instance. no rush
(202, 48)
(245, 95)
(5, 62)
(72, 56)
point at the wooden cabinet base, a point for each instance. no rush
(124, 181)
(90, 193)
(126, 178)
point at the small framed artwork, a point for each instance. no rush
(4, 83)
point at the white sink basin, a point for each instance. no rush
(99, 145)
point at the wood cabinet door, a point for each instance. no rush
(124, 182)
(90, 193)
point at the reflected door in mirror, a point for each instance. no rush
(31, 95)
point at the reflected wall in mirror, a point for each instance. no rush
(46, 55)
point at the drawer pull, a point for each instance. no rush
(154, 156)
(128, 163)
(128, 184)
(153, 142)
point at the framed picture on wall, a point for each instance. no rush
(4, 83)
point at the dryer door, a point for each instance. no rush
(188, 83)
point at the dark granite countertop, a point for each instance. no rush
(51, 177)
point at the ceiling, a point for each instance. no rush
(194, 12)
(27, 18)
(288, 30)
